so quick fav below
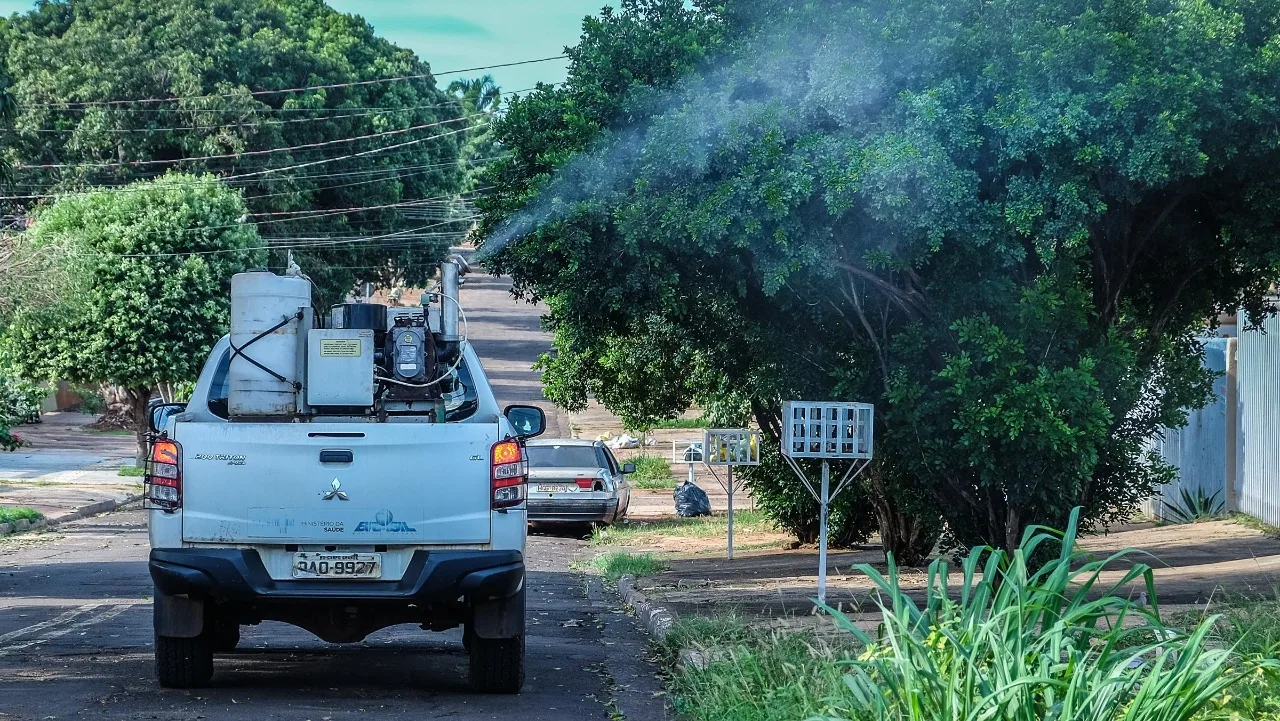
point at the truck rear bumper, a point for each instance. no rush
(234, 574)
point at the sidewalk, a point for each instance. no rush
(67, 471)
(1193, 564)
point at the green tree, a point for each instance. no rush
(150, 267)
(1004, 223)
(480, 98)
(204, 73)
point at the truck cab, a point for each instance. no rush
(341, 523)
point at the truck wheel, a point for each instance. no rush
(497, 664)
(224, 636)
(184, 662)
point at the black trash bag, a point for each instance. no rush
(691, 501)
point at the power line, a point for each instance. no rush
(221, 126)
(255, 93)
(336, 243)
(373, 111)
(353, 155)
(225, 156)
(267, 171)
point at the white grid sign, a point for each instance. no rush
(826, 429)
(735, 447)
(686, 451)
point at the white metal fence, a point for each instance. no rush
(1232, 446)
(1257, 489)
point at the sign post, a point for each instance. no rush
(827, 431)
(729, 448)
(689, 452)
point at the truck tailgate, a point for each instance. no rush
(404, 483)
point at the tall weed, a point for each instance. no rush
(1020, 643)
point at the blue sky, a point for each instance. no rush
(455, 34)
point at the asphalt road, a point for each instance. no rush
(76, 639)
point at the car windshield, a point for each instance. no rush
(563, 457)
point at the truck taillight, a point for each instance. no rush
(162, 484)
(510, 474)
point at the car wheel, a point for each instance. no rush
(497, 664)
(184, 662)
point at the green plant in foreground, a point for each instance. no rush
(1019, 643)
(1198, 506)
(616, 564)
(752, 674)
(9, 514)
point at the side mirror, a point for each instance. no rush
(628, 468)
(158, 414)
(527, 421)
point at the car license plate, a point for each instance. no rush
(337, 565)
(555, 487)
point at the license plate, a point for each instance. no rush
(337, 565)
(555, 487)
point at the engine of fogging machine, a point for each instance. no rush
(360, 360)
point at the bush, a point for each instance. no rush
(780, 494)
(91, 400)
(9, 514)
(20, 402)
(1198, 506)
(1024, 644)
(652, 472)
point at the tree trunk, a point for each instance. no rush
(117, 409)
(908, 536)
(139, 398)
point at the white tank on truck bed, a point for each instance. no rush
(261, 301)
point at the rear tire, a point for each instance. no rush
(497, 664)
(184, 662)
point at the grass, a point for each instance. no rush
(616, 564)
(636, 533)
(1256, 524)
(755, 674)
(132, 471)
(652, 472)
(10, 514)
(113, 433)
(1014, 641)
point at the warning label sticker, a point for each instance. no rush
(339, 348)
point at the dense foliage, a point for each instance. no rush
(19, 403)
(198, 70)
(150, 269)
(1004, 223)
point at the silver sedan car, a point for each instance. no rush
(576, 481)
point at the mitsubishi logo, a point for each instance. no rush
(335, 491)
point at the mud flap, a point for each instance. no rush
(499, 618)
(177, 616)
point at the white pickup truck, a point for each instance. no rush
(341, 520)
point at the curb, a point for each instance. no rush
(657, 619)
(94, 509)
(22, 526)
